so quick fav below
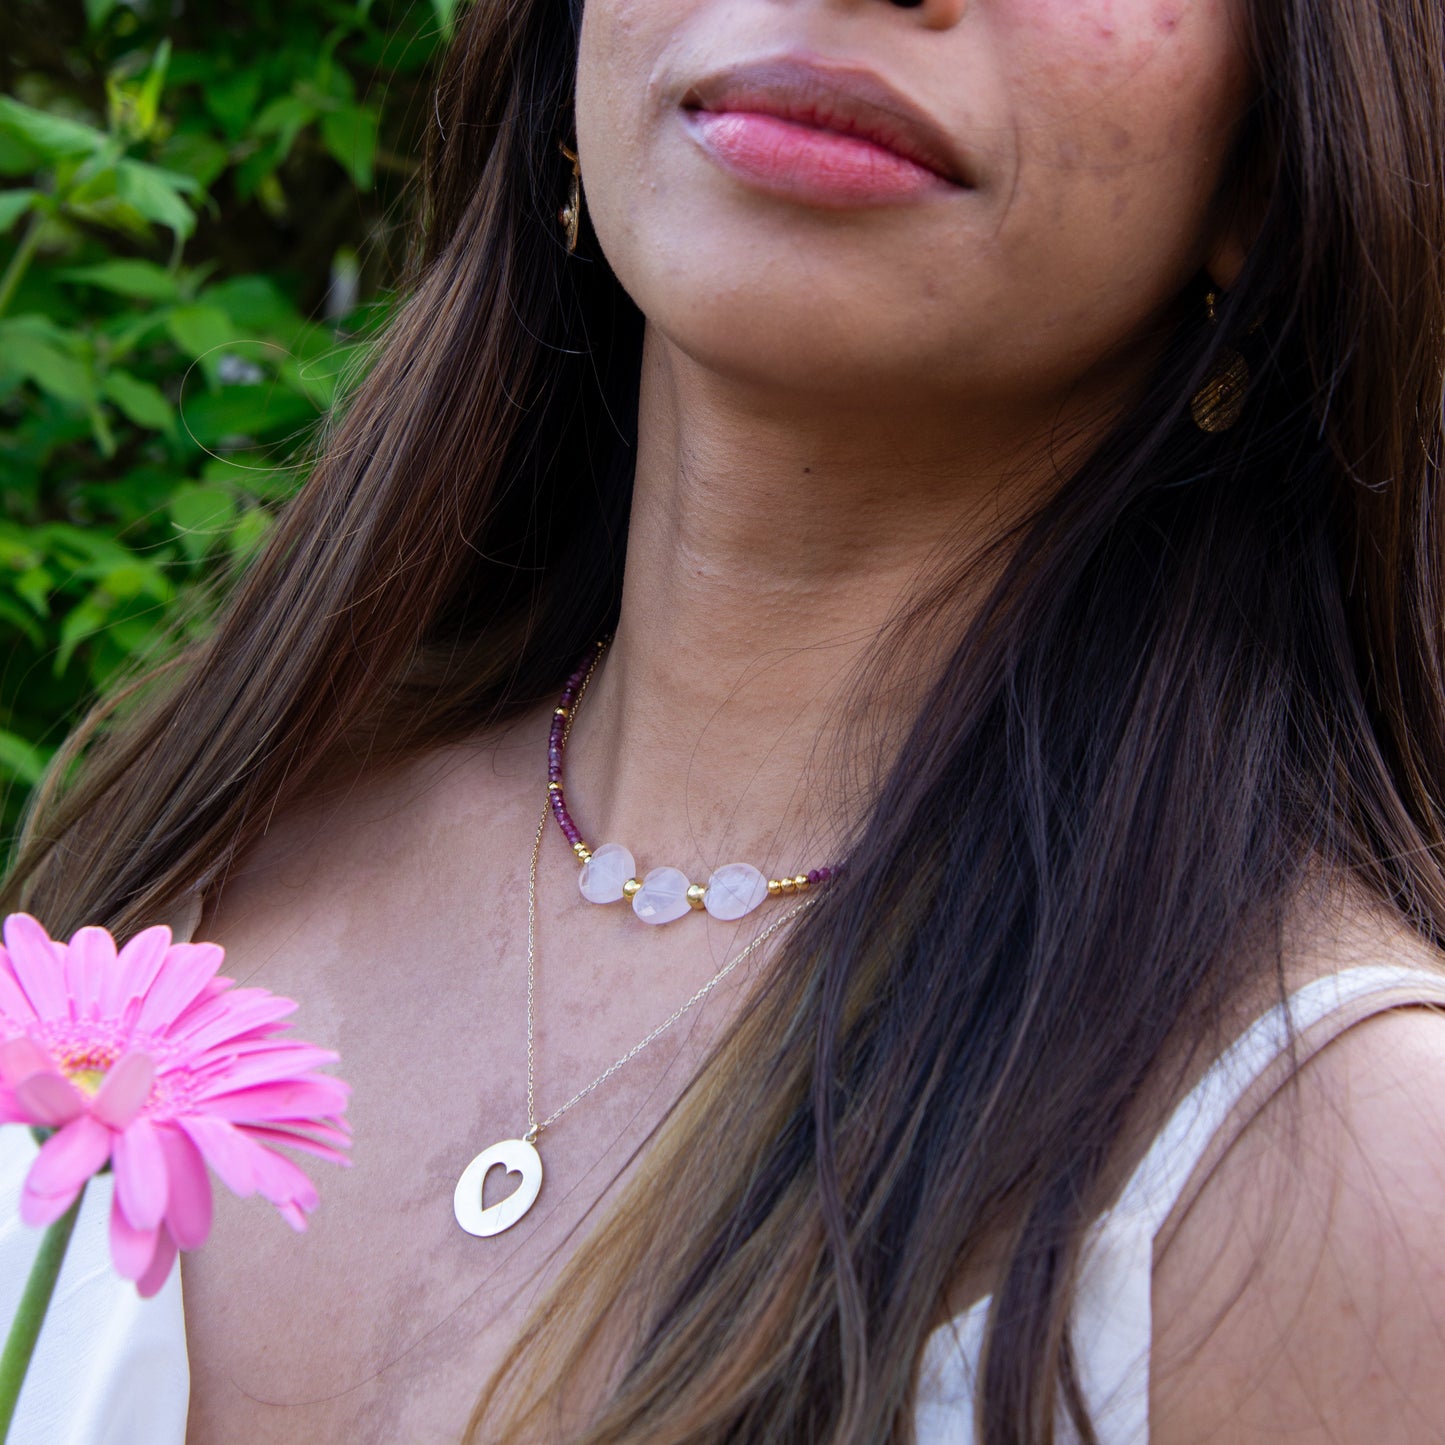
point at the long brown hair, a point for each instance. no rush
(1210, 664)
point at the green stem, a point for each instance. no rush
(20, 1345)
(15, 271)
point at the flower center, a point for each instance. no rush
(86, 1068)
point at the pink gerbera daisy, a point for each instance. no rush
(147, 1061)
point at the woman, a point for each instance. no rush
(1002, 441)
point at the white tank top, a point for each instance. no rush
(111, 1369)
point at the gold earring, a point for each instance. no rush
(570, 216)
(1219, 403)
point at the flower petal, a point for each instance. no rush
(69, 1157)
(226, 1149)
(21, 1057)
(126, 1087)
(10, 1110)
(303, 1142)
(218, 1020)
(282, 1182)
(38, 964)
(151, 1281)
(188, 968)
(40, 1210)
(293, 1216)
(16, 1010)
(279, 1064)
(131, 1249)
(140, 1175)
(188, 1206)
(49, 1099)
(88, 960)
(284, 1099)
(136, 968)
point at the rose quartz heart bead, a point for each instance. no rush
(663, 896)
(604, 873)
(733, 891)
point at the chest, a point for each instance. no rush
(384, 1320)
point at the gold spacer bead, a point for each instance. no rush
(695, 896)
(582, 851)
(554, 787)
(561, 712)
(775, 888)
(788, 887)
(801, 882)
(632, 888)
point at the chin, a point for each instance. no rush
(786, 350)
(774, 318)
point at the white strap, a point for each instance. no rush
(1159, 1181)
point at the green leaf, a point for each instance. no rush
(34, 587)
(142, 280)
(143, 403)
(244, 413)
(260, 483)
(54, 369)
(53, 136)
(15, 616)
(256, 305)
(197, 155)
(252, 528)
(446, 14)
(350, 134)
(13, 205)
(233, 99)
(317, 377)
(98, 11)
(157, 194)
(285, 118)
(256, 178)
(201, 513)
(96, 201)
(148, 102)
(134, 105)
(81, 622)
(17, 158)
(20, 760)
(87, 553)
(202, 332)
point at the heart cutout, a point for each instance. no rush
(493, 1190)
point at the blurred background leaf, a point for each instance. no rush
(201, 215)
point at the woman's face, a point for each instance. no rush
(954, 199)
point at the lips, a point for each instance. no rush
(837, 101)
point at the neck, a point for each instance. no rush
(769, 547)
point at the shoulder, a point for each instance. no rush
(363, 821)
(1302, 1294)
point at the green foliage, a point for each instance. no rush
(196, 237)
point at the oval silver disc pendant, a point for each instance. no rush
(519, 1157)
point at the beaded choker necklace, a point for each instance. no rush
(609, 873)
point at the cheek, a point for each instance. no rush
(1113, 83)
(623, 46)
(1126, 115)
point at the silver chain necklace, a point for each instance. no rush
(520, 1156)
